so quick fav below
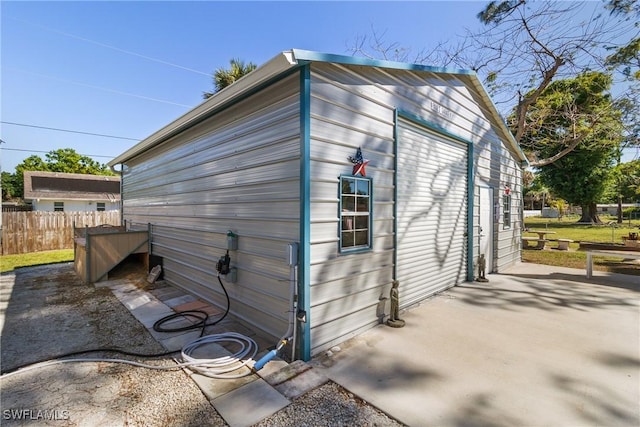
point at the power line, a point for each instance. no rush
(69, 131)
(46, 152)
(119, 92)
(111, 47)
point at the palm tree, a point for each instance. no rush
(223, 77)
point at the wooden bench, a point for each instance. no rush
(540, 243)
(601, 252)
(563, 244)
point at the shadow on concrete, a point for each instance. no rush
(547, 296)
(603, 406)
(479, 411)
(623, 281)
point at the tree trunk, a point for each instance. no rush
(619, 208)
(590, 214)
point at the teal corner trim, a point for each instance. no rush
(470, 176)
(304, 285)
(308, 55)
(470, 200)
(395, 194)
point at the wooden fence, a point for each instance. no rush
(24, 232)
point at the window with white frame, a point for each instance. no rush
(506, 210)
(100, 207)
(58, 206)
(355, 213)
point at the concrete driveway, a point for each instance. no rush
(539, 346)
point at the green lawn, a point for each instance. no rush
(565, 229)
(11, 262)
(568, 229)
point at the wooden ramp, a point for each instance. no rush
(97, 250)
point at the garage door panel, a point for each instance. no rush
(431, 212)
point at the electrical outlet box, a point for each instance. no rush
(232, 241)
(292, 254)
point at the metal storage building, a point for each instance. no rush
(377, 170)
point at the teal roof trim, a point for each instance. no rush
(308, 55)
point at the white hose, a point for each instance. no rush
(221, 366)
(214, 368)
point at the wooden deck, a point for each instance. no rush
(97, 250)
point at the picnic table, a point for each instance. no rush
(539, 241)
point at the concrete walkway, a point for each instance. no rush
(538, 346)
(265, 392)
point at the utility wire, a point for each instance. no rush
(119, 92)
(111, 47)
(69, 131)
(46, 152)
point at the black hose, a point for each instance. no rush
(198, 314)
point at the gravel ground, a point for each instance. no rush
(48, 311)
(328, 405)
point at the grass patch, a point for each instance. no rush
(568, 229)
(11, 262)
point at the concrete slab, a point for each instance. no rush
(176, 342)
(302, 383)
(270, 368)
(150, 312)
(166, 292)
(249, 404)
(286, 373)
(178, 300)
(537, 346)
(191, 305)
(214, 388)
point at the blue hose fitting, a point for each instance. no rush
(264, 360)
(267, 357)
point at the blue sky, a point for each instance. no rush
(128, 68)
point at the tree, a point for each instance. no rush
(68, 161)
(62, 160)
(225, 77)
(561, 112)
(581, 179)
(524, 47)
(626, 183)
(568, 113)
(536, 191)
(9, 186)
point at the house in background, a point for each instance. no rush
(60, 192)
(338, 175)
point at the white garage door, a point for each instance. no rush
(431, 212)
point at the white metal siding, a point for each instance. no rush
(431, 211)
(347, 290)
(353, 106)
(238, 170)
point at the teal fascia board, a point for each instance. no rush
(307, 55)
(470, 176)
(304, 303)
